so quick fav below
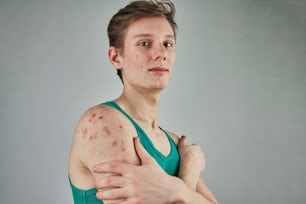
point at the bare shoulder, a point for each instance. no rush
(174, 136)
(102, 134)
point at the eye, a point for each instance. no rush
(144, 43)
(168, 44)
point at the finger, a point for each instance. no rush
(114, 194)
(183, 141)
(143, 155)
(112, 182)
(113, 167)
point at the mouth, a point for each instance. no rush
(158, 70)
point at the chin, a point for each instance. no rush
(160, 86)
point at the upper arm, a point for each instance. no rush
(101, 135)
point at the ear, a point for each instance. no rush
(114, 57)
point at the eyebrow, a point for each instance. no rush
(150, 35)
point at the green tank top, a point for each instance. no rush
(169, 163)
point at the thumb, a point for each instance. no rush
(143, 155)
(183, 142)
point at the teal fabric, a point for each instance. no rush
(84, 196)
(169, 163)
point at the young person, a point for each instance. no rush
(119, 153)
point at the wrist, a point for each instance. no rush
(179, 191)
(190, 180)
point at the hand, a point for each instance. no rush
(192, 162)
(145, 183)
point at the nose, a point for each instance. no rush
(159, 52)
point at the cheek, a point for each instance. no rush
(170, 60)
(172, 55)
(139, 62)
(139, 59)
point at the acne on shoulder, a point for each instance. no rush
(107, 131)
(94, 119)
(114, 143)
(100, 132)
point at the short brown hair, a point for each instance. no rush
(133, 11)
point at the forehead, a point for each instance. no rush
(149, 26)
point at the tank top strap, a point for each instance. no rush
(117, 107)
(146, 141)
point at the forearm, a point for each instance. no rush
(183, 194)
(191, 180)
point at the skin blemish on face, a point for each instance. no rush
(101, 117)
(120, 126)
(107, 131)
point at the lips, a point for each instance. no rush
(158, 70)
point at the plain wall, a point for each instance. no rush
(238, 89)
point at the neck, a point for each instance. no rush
(142, 106)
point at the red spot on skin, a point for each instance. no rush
(101, 117)
(107, 131)
(84, 130)
(114, 143)
(92, 116)
(93, 137)
(120, 127)
(123, 149)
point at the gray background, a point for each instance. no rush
(238, 89)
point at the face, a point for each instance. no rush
(148, 55)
